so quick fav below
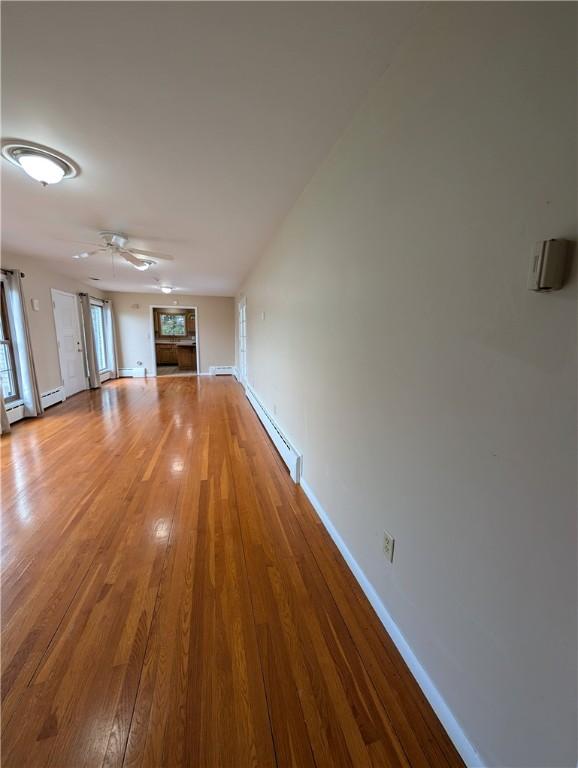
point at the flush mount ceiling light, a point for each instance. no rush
(166, 289)
(40, 163)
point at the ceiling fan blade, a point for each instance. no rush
(141, 264)
(151, 254)
(86, 254)
(80, 242)
(131, 258)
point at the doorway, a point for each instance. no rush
(243, 341)
(69, 341)
(175, 340)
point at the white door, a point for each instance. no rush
(243, 341)
(69, 339)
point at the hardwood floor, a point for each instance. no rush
(170, 598)
(172, 370)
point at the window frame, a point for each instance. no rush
(172, 335)
(8, 343)
(100, 311)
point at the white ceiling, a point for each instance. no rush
(196, 125)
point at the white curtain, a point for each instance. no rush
(89, 346)
(26, 369)
(4, 423)
(110, 339)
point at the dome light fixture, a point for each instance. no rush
(40, 163)
(166, 289)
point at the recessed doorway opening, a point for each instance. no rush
(175, 341)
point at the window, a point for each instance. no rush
(98, 328)
(7, 364)
(173, 325)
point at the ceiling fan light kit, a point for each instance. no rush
(116, 239)
(117, 244)
(39, 162)
(146, 263)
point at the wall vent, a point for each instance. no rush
(222, 370)
(289, 454)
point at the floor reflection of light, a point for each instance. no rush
(162, 529)
(189, 433)
(22, 462)
(23, 510)
(177, 466)
(109, 412)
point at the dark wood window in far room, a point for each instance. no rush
(173, 324)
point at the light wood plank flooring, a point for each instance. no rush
(169, 598)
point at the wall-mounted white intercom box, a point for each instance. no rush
(548, 265)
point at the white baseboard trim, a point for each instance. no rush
(453, 728)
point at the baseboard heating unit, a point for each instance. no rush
(288, 453)
(52, 397)
(14, 412)
(222, 370)
(132, 373)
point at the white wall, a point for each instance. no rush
(39, 281)
(432, 395)
(215, 327)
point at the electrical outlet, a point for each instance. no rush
(388, 544)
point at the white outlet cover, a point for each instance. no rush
(388, 546)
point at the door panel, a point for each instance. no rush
(70, 349)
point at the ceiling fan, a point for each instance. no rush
(116, 244)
